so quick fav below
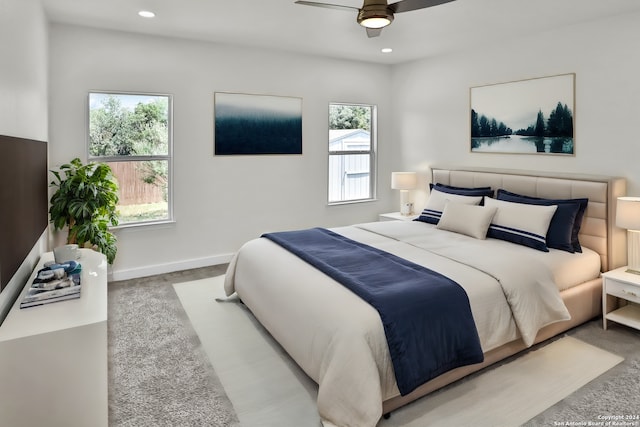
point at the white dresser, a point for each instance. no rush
(53, 358)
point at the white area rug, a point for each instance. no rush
(268, 389)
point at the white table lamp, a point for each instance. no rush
(404, 181)
(628, 216)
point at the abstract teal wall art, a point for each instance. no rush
(248, 124)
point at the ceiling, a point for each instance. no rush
(283, 25)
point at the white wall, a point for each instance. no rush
(23, 69)
(23, 98)
(430, 110)
(220, 202)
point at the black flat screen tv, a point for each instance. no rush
(24, 201)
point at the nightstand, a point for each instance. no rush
(396, 216)
(626, 286)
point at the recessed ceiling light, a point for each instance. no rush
(146, 14)
(386, 50)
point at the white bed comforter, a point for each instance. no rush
(338, 339)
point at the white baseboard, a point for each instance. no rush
(151, 270)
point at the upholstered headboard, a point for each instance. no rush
(598, 231)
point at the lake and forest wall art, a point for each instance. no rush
(534, 116)
(257, 124)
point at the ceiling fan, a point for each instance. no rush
(374, 15)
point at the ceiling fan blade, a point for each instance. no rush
(407, 5)
(327, 5)
(373, 32)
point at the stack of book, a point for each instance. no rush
(55, 282)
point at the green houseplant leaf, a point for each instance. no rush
(85, 201)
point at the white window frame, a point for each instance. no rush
(372, 152)
(117, 159)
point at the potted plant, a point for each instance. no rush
(85, 201)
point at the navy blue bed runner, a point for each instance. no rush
(426, 316)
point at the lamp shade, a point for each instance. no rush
(404, 180)
(628, 213)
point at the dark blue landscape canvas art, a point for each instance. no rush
(257, 124)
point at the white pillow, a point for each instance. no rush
(471, 220)
(435, 204)
(521, 223)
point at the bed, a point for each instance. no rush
(339, 340)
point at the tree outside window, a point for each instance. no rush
(131, 132)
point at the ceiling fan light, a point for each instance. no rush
(375, 16)
(375, 22)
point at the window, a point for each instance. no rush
(132, 133)
(351, 152)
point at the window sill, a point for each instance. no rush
(134, 225)
(350, 202)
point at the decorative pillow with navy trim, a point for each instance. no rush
(521, 223)
(565, 224)
(437, 200)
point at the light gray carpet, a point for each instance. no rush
(158, 372)
(145, 390)
(615, 393)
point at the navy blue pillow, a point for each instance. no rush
(565, 224)
(463, 191)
